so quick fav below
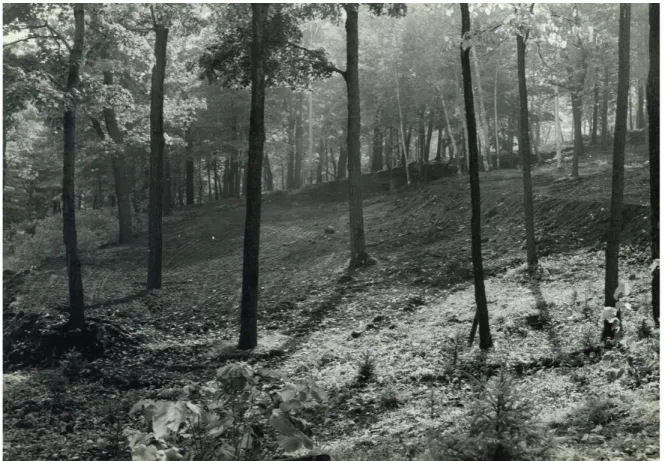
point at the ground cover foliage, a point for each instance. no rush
(370, 364)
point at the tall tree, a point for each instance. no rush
(482, 316)
(525, 148)
(653, 110)
(76, 303)
(250, 268)
(359, 255)
(614, 233)
(155, 208)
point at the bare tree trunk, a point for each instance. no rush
(484, 126)
(76, 299)
(614, 233)
(525, 151)
(605, 109)
(653, 111)
(250, 268)
(359, 256)
(557, 128)
(594, 123)
(156, 159)
(401, 129)
(450, 132)
(496, 115)
(482, 315)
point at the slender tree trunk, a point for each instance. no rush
(630, 110)
(156, 159)
(319, 167)
(377, 150)
(439, 149)
(405, 152)
(300, 133)
(190, 174)
(484, 126)
(290, 183)
(482, 315)
(76, 299)
(653, 111)
(614, 234)
(359, 256)
(557, 129)
(496, 114)
(640, 106)
(604, 134)
(525, 152)
(166, 199)
(576, 100)
(594, 124)
(200, 181)
(268, 170)
(250, 268)
(343, 162)
(119, 165)
(224, 188)
(209, 180)
(450, 132)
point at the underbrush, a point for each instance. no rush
(34, 242)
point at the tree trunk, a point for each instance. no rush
(653, 110)
(223, 188)
(614, 233)
(269, 177)
(166, 199)
(482, 315)
(119, 166)
(594, 119)
(405, 152)
(359, 256)
(557, 128)
(439, 149)
(293, 120)
(76, 300)
(484, 126)
(342, 163)
(450, 131)
(640, 106)
(250, 267)
(576, 100)
(200, 181)
(604, 135)
(300, 133)
(190, 174)
(525, 152)
(156, 159)
(377, 150)
(496, 116)
(319, 167)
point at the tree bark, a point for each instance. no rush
(119, 166)
(342, 163)
(604, 135)
(359, 256)
(76, 299)
(156, 159)
(594, 119)
(482, 315)
(525, 152)
(250, 269)
(576, 100)
(484, 126)
(653, 111)
(640, 106)
(614, 233)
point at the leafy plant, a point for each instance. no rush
(217, 420)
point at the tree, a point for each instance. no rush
(525, 149)
(76, 302)
(653, 111)
(482, 316)
(250, 268)
(155, 208)
(614, 233)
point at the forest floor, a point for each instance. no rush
(317, 320)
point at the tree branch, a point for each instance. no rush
(58, 36)
(313, 54)
(7, 45)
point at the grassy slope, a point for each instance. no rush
(406, 308)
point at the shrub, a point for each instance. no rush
(366, 369)
(72, 365)
(93, 228)
(499, 426)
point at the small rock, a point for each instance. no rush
(329, 230)
(355, 334)
(632, 277)
(378, 318)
